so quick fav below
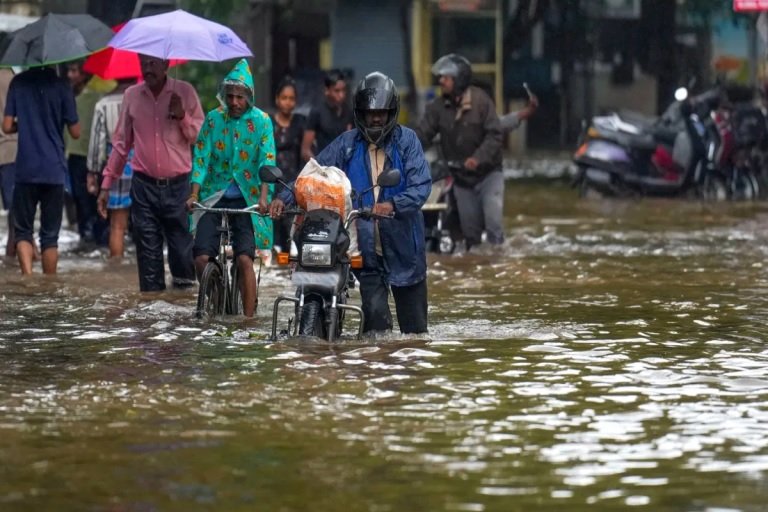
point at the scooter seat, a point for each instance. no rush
(641, 141)
(642, 121)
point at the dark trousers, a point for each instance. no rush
(410, 304)
(159, 213)
(89, 225)
(26, 197)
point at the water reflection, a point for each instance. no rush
(609, 357)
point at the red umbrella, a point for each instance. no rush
(113, 64)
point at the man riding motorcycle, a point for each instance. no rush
(465, 118)
(392, 247)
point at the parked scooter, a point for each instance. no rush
(666, 157)
(737, 138)
(322, 272)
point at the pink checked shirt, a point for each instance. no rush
(162, 145)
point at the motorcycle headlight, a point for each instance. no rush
(316, 255)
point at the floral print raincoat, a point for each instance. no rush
(229, 149)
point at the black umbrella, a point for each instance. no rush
(55, 38)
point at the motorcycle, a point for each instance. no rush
(634, 156)
(322, 271)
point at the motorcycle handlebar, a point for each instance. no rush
(367, 213)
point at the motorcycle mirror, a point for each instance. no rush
(270, 174)
(388, 178)
(681, 94)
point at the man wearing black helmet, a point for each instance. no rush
(392, 244)
(465, 118)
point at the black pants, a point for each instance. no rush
(159, 213)
(410, 304)
(26, 197)
(89, 225)
(207, 236)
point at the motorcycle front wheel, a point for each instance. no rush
(312, 322)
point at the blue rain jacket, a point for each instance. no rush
(402, 237)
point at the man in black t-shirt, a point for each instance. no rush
(329, 119)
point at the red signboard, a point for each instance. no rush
(750, 5)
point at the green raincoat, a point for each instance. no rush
(229, 149)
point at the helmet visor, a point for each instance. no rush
(377, 98)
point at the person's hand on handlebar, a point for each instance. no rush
(191, 200)
(194, 196)
(276, 208)
(385, 209)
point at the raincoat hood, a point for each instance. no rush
(240, 75)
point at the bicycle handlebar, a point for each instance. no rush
(251, 210)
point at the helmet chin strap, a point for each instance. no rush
(374, 135)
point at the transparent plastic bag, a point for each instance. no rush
(328, 188)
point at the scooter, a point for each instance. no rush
(620, 159)
(738, 136)
(438, 209)
(322, 269)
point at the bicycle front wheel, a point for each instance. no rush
(210, 297)
(235, 299)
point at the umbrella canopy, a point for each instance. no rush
(114, 64)
(180, 35)
(11, 22)
(55, 38)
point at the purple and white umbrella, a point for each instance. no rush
(180, 35)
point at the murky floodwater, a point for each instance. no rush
(612, 357)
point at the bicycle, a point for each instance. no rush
(219, 291)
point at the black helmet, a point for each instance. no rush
(456, 66)
(376, 92)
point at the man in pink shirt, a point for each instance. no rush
(160, 119)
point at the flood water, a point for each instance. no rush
(611, 357)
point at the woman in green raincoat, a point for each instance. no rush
(235, 141)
